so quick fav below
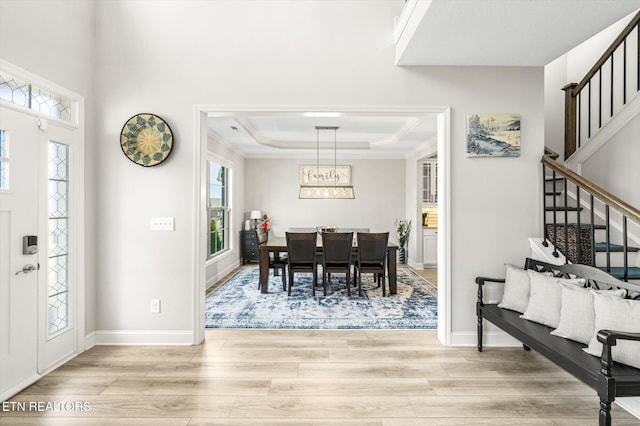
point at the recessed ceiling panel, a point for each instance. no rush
(358, 134)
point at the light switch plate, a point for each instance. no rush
(162, 224)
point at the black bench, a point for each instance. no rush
(608, 378)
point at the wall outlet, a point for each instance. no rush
(162, 224)
(155, 306)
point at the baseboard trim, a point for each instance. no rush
(489, 339)
(143, 337)
(221, 274)
(4, 396)
(89, 340)
(631, 404)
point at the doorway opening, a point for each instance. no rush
(203, 269)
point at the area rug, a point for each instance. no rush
(238, 303)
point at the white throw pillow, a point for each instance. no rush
(614, 313)
(577, 314)
(545, 299)
(516, 289)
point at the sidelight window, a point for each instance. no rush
(58, 230)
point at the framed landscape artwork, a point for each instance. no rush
(493, 135)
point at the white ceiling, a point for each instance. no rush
(429, 32)
(500, 32)
(294, 134)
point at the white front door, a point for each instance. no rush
(37, 293)
(18, 271)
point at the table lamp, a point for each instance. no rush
(255, 215)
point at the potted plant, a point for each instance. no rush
(403, 227)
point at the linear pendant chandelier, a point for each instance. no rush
(324, 190)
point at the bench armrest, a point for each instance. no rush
(482, 280)
(610, 338)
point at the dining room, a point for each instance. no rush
(285, 168)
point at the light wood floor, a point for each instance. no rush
(429, 274)
(312, 377)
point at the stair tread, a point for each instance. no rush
(582, 225)
(602, 246)
(618, 272)
(563, 208)
(586, 225)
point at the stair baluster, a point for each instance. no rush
(545, 240)
(593, 231)
(579, 231)
(625, 249)
(555, 219)
(566, 220)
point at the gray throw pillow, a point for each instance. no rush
(545, 299)
(516, 289)
(577, 314)
(614, 313)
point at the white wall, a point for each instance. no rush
(166, 58)
(615, 168)
(379, 187)
(55, 40)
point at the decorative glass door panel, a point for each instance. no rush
(58, 230)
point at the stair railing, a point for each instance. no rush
(581, 98)
(627, 212)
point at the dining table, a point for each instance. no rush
(279, 245)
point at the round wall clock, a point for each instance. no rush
(146, 139)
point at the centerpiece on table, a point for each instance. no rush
(403, 227)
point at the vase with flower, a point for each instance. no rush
(403, 227)
(265, 222)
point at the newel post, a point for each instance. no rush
(570, 119)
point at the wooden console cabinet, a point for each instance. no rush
(250, 240)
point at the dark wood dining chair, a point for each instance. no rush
(301, 249)
(278, 262)
(336, 256)
(371, 258)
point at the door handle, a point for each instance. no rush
(27, 269)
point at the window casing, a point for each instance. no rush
(218, 208)
(4, 161)
(28, 95)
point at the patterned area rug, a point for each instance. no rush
(238, 303)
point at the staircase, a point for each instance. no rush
(582, 221)
(575, 228)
